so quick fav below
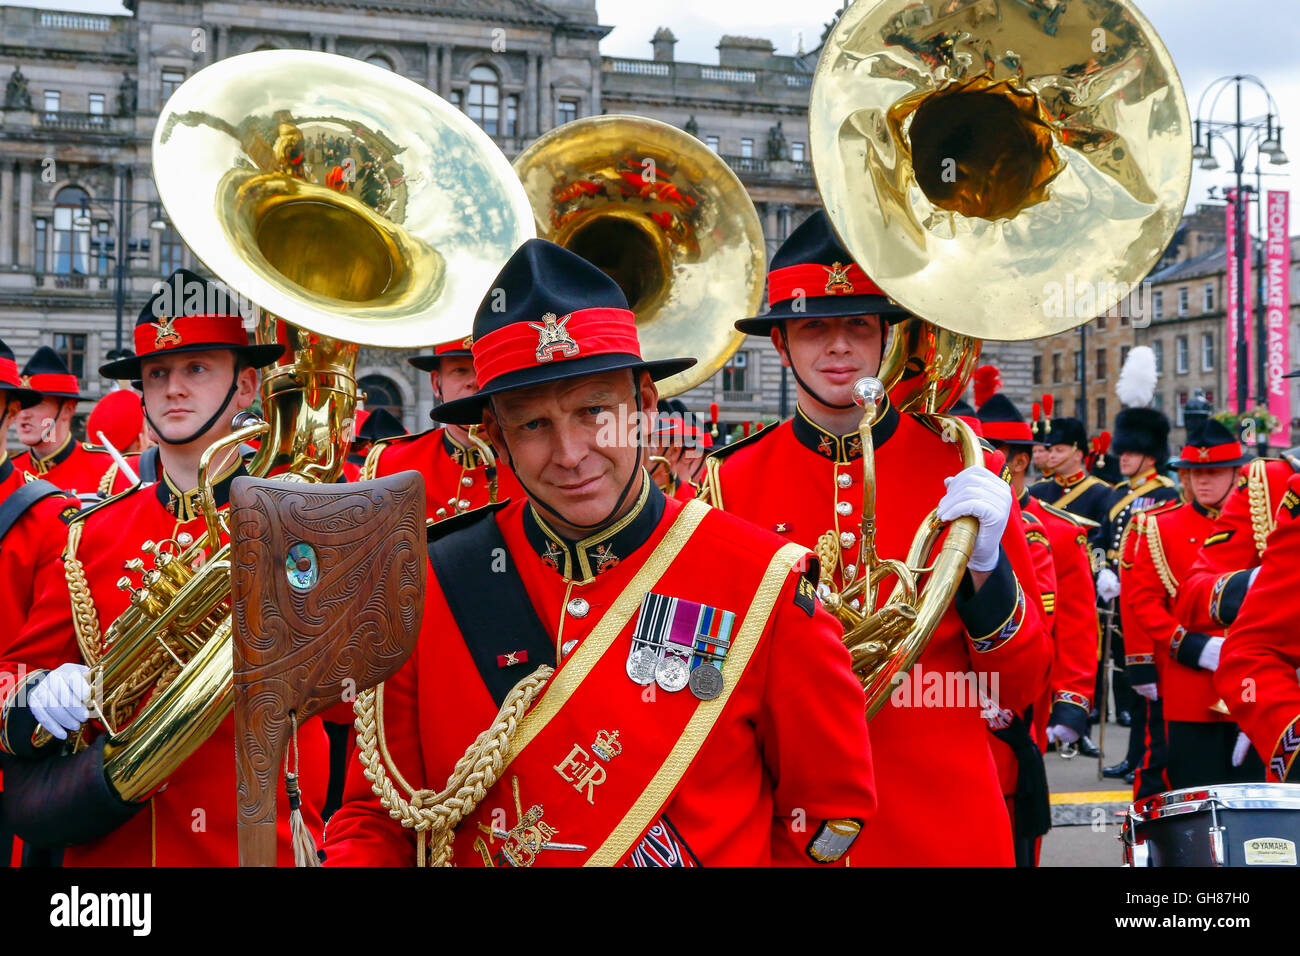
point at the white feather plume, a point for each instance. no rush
(1137, 379)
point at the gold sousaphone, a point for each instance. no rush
(976, 157)
(352, 207)
(665, 218)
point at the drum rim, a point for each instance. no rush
(1224, 796)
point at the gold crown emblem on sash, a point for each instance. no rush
(606, 745)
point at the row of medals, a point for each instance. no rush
(672, 671)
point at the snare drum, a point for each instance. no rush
(1238, 824)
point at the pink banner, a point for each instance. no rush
(1277, 299)
(1231, 299)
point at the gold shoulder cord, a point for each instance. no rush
(1261, 514)
(372, 461)
(106, 483)
(435, 816)
(85, 619)
(711, 490)
(1151, 530)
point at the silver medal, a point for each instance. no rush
(672, 672)
(706, 682)
(641, 664)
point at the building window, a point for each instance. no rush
(1180, 354)
(1101, 412)
(71, 242)
(1158, 346)
(1101, 323)
(172, 252)
(382, 392)
(100, 249)
(485, 99)
(1056, 368)
(1207, 351)
(1182, 406)
(1157, 305)
(1123, 321)
(566, 111)
(512, 116)
(376, 59)
(1101, 365)
(796, 152)
(747, 148)
(1078, 365)
(733, 373)
(1081, 411)
(71, 347)
(40, 264)
(171, 79)
(52, 98)
(457, 99)
(1183, 296)
(1038, 370)
(1208, 301)
(1123, 354)
(711, 142)
(96, 104)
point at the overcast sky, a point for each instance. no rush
(1208, 39)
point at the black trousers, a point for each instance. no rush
(1200, 754)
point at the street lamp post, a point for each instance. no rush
(1266, 136)
(123, 248)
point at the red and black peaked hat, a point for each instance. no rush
(1211, 445)
(1003, 423)
(563, 318)
(813, 276)
(11, 383)
(460, 348)
(189, 313)
(47, 373)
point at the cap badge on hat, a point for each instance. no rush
(167, 335)
(467, 341)
(25, 381)
(837, 279)
(552, 338)
(1203, 454)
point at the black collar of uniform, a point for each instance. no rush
(6, 469)
(1024, 499)
(188, 505)
(843, 449)
(603, 550)
(1200, 509)
(461, 455)
(42, 465)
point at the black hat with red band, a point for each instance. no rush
(11, 384)
(813, 276)
(188, 313)
(47, 373)
(1211, 445)
(1003, 424)
(563, 318)
(460, 348)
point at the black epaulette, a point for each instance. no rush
(385, 442)
(437, 530)
(1069, 516)
(725, 450)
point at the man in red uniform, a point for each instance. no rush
(763, 759)
(33, 524)
(46, 429)
(1069, 486)
(198, 372)
(1256, 676)
(804, 479)
(457, 477)
(1197, 738)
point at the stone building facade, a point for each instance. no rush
(83, 93)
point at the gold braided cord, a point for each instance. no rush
(1166, 575)
(85, 619)
(434, 816)
(106, 482)
(1137, 524)
(1261, 511)
(711, 489)
(372, 461)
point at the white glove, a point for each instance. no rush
(1107, 584)
(1061, 734)
(1240, 749)
(978, 493)
(1209, 659)
(1253, 575)
(59, 701)
(1149, 691)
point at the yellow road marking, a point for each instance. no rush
(1092, 797)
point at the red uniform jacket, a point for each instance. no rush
(800, 481)
(1166, 545)
(789, 749)
(455, 479)
(79, 468)
(191, 820)
(1257, 668)
(1074, 662)
(1211, 596)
